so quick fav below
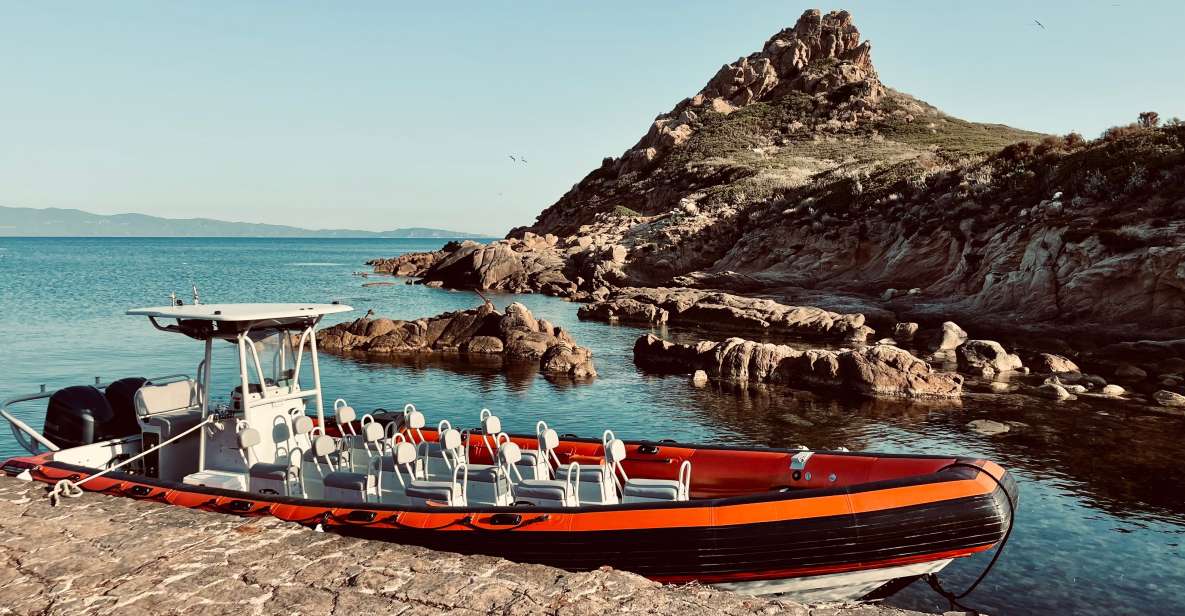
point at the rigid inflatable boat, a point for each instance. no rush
(821, 525)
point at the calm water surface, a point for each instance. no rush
(1102, 512)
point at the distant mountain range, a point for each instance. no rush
(24, 221)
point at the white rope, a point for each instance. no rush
(70, 489)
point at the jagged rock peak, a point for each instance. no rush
(787, 55)
(820, 55)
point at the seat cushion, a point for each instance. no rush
(484, 473)
(432, 490)
(542, 488)
(587, 473)
(267, 470)
(345, 480)
(660, 489)
(218, 479)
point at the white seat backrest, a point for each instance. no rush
(450, 441)
(302, 425)
(175, 396)
(372, 432)
(614, 455)
(405, 453)
(249, 437)
(549, 440)
(509, 453)
(344, 415)
(615, 451)
(323, 446)
(491, 425)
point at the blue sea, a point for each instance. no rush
(1102, 514)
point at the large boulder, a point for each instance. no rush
(569, 360)
(409, 264)
(944, 340)
(1049, 363)
(872, 371)
(985, 357)
(513, 334)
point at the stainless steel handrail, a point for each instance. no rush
(19, 426)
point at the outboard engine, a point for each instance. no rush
(81, 415)
(121, 395)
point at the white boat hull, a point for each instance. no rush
(848, 586)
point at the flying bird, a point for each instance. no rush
(1040, 24)
(512, 157)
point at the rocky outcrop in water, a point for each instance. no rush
(575, 267)
(725, 311)
(875, 371)
(514, 335)
(985, 358)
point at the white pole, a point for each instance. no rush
(245, 388)
(316, 376)
(205, 402)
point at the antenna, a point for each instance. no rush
(196, 301)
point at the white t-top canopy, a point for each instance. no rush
(240, 312)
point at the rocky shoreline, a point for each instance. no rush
(796, 195)
(100, 555)
(1148, 374)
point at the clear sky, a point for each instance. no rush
(385, 114)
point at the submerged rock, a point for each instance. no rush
(873, 371)
(515, 334)
(1112, 390)
(1055, 391)
(1165, 397)
(988, 427)
(1049, 363)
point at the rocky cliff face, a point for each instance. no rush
(795, 174)
(796, 169)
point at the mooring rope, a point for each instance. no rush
(70, 489)
(932, 578)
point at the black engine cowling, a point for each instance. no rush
(81, 415)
